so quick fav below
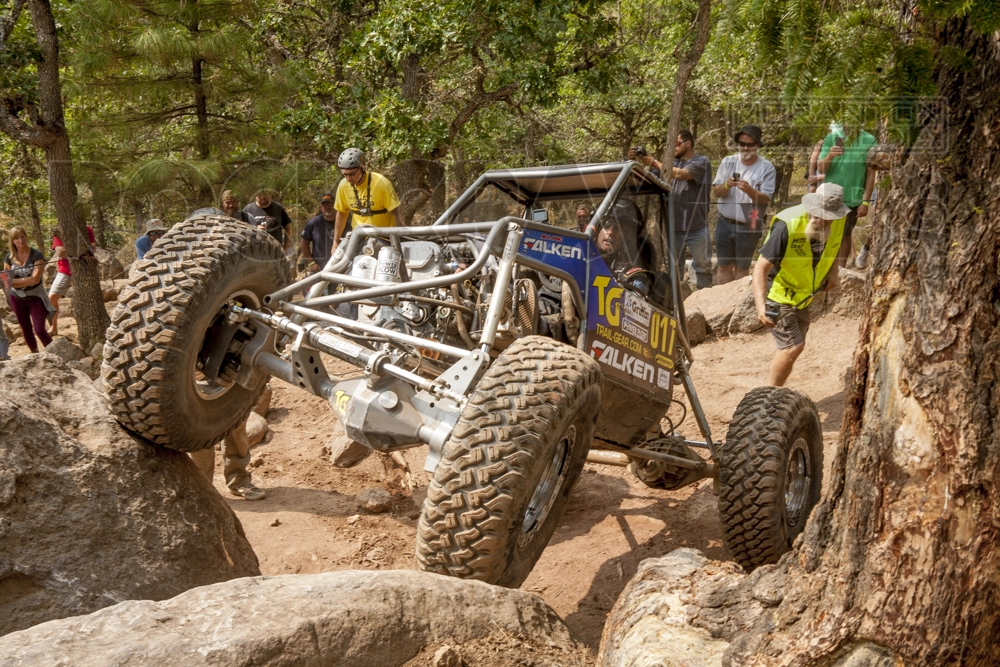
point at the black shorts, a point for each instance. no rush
(793, 323)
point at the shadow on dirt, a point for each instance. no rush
(833, 409)
(687, 521)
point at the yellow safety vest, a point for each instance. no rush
(796, 278)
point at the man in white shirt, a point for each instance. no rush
(744, 185)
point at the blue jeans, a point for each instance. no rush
(697, 243)
(735, 243)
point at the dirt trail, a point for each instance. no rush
(613, 521)
(310, 521)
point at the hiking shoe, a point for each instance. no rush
(249, 492)
(861, 261)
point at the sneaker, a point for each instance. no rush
(249, 492)
(861, 261)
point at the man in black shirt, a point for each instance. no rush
(798, 260)
(270, 216)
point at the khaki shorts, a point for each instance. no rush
(793, 323)
(60, 285)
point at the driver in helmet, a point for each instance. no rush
(616, 239)
(365, 195)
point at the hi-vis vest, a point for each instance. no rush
(796, 279)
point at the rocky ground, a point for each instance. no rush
(311, 521)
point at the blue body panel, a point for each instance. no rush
(633, 340)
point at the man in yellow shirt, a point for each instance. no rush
(366, 195)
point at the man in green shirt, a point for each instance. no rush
(843, 160)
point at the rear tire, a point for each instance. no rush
(506, 473)
(173, 296)
(770, 474)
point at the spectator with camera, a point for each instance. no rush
(799, 258)
(843, 160)
(270, 216)
(692, 174)
(366, 196)
(744, 185)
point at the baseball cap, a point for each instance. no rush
(327, 198)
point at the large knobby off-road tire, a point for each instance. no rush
(770, 474)
(506, 472)
(174, 295)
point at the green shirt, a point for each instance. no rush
(848, 171)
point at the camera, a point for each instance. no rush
(736, 175)
(640, 151)
(839, 141)
(771, 311)
(365, 211)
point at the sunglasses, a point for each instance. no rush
(744, 144)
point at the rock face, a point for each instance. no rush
(256, 428)
(744, 319)
(365, 618)
(718, 303)
(110, 267)
(65, 350)
(697, 326)
(90, 516)
(375, 500)
(654, 621)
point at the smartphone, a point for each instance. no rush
(736, 175)
(839, 141)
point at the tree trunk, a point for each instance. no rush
(703, 24)
(36, 221)
(139, 214)
(92, 319)
(902, 550)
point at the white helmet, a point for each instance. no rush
(350, 158)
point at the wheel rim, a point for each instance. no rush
(798, 481)
(548, 486)
(210, 390)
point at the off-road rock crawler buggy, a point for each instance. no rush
(511, 348)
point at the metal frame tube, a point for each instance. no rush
(449, 350)
(500, 286)
(430, 283)
(609, 198)
(367, 231)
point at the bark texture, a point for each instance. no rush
(47, 130)
(901, 553)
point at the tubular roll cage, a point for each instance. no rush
(503, 239)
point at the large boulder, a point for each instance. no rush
(744, 319)
(718, 303)
(91, 516)
(656, 618)
(65, 350)
(697, 325)
(361, 618)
